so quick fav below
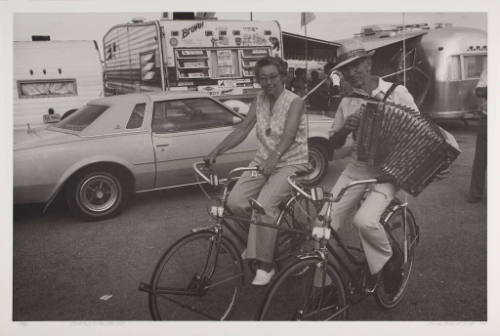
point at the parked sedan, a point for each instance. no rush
(116, 146)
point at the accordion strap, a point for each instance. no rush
(391, 89)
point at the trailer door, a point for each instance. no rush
(186, 130)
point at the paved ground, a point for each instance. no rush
(62, 266)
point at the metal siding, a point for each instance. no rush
(77, 59)
(122, 71)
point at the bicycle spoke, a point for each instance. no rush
(190, 283)
(223, 281)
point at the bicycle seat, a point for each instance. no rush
(304, 173)
(256, 206)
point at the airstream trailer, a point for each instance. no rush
(456, 56)
(440, 66)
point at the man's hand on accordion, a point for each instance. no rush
(352, 122)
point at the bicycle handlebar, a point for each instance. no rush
(312, 196)
(213, 179)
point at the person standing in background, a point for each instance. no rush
(478, 178)
(319, 98)
(299, 83)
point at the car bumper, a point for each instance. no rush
(39, 193)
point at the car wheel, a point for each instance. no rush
(319, 162)
(97, 194)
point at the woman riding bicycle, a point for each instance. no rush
(282, 151)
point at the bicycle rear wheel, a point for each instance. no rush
(197, 278)
(303, 297)
(395, 279)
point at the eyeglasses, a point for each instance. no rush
(264, 79)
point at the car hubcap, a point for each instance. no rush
(99, 193)
(314, 160)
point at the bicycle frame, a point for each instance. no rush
(220, 213)
(326, 248)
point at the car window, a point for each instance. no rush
(82, 118)
(137, 116)
(189, 114)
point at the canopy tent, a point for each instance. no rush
(294, 47)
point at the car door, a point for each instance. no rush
(185, 130)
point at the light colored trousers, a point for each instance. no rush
(269, 192)
(367, 218)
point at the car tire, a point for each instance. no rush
(318, 158)
(96, 194)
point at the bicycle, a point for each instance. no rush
(328, 286)
(201, 274)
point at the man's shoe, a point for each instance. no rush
(262, 277)
(372, 283)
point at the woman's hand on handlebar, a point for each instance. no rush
(210, 159)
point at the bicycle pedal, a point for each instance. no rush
(371, 290)
(144, 287)
(217, 211)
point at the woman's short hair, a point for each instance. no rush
(271, 60)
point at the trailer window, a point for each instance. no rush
(473, 65)
(189, 115)
(225, 63)
(47, 88)
(82, 118)
(462, 67)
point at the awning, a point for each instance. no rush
(382, 40)
(294, 47)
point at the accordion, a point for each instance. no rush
(404, 144)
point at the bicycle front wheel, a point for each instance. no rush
(394, 286)
(309, 296)
(198, 278)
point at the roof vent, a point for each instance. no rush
(40, 38)
(138, 20)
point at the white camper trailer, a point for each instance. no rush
(53, 77)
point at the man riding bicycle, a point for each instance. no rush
(355, 65)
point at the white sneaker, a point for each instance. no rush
(262, 277)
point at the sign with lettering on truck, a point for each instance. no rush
(211, 56)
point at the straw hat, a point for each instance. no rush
(351, 51)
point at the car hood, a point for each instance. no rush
(40, 138)
(318, 118)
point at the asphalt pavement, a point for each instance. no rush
(68, 270)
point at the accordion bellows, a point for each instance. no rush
(404, 144)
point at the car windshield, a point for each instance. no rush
(82, 118)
